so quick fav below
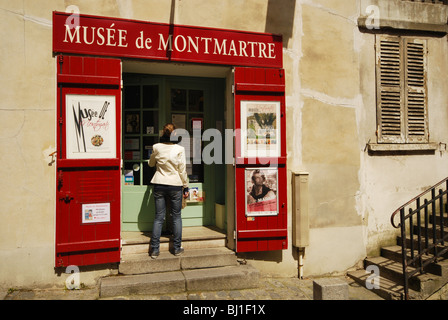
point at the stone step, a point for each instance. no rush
(222, 278)
(387, 268)
(430, 231)
(439, 268)
(192, 238)
(394, 253)
(440, 247)
(210, 279)
(143, 284)
(387, 289)
(166, 246)
(422, 284)
(438, 219)
(140, 263)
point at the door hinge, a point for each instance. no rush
(234, 234)
(233, 89)
(60, 180)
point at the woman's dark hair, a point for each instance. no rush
(167, 134)
(168, 129)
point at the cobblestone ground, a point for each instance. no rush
(268, 289)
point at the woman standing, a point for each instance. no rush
(170, 184)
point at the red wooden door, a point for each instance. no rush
(260, 152)
(88, 161)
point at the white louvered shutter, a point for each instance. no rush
(401, 90)
(415, 90)
(389, 80)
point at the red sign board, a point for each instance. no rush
(93, 35)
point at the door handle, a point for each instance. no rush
(67, 198)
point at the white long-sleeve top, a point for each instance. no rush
(170, 162)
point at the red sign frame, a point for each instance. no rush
(115, 37)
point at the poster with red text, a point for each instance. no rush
(90, 126)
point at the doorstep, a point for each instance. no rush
(192, 238)
(210, 279)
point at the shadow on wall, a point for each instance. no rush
(280, 18)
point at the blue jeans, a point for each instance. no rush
(162, 194)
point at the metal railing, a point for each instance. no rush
(423, 234)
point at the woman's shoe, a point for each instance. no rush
(154, 254)
(179, 251)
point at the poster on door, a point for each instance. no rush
(95, 213)
(260, 126)
(90, 126)
(261, 192)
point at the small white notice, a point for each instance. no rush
(96, 212)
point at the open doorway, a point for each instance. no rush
(192, 98)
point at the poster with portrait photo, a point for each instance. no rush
(260, 128)
(261, 192)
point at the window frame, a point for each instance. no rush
(401, 89)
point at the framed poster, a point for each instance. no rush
(90, 126)
(132, 122)
(260, 128)
(261, 192)
(179, 120)
(197, 123)
(132, 144)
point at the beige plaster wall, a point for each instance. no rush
(353, 193)
(27, 136)
(27, 89)
(330, 102)
(389, 180)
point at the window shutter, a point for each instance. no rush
(401, 90)
(389, 97)
(415, 86)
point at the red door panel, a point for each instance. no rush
(88, 162)
(261, 224)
